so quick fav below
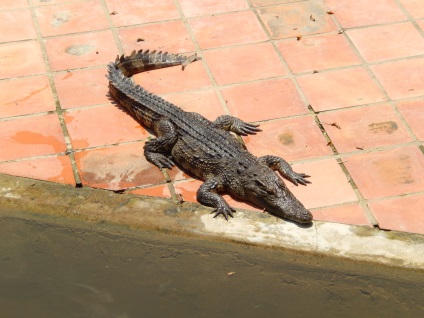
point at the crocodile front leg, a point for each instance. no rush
(284, 168)
(230, 123)
(208, 195)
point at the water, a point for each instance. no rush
(61, 268)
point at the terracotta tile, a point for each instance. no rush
(408, 218)
(132, 12)
(329, 184)
(7, 5)
(9, 31)
(401, 79)
(156, 191)
(117, 167)
(359, 12)
(365, 127)
(28, 137)
(81, 50)
(193, 8)
(91, 85)
(420, 24)
(288, 138)
(71, 18)
(232, 65)
(204, 102)
(222, 30)
(338, 89)
(293, 19)
(187, 189)
(167, 36)
(317, 53)
(55, 169)
(50, 2)
(86, 132)
(26, 95)
(347, 214)
(21, 59)
(413, 113)
(279, 97)
(414, 7)
(173, 79)
(241, 205)
(260, 3)
(387, 173)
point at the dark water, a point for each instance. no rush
(65, 270)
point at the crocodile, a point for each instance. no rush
(206, 150)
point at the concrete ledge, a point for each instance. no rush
(188, 219)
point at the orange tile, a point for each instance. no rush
(8, 22)
(91, 85)
(21, 59)
(293, 19)
(292, 139)
(232, 65)
(260, 3)
(71, 18)
(347, 214)
(317, 53)
(387, 42)
(156, 191)
(193, 8)
(117, 167)
(400, 214)
(343, 88)
(401, 79)
(414, 7)
(167, 36)
(55, 169)
(413, 113)
(187, 189)
(7, 5)
(279, 97)
(364, 127)
(50, 2)
(387, 173)
(132, 12)
(421, 24)
(111, 125)
(359, 12)
(223, 30)
(81, 50)
(28, 137)
(173, 79)
(24, 96)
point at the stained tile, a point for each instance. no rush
(338, 89)
(193, 8)
(8, 22)
(260, 3)
(388, 173)
(91, 85)
(111, 125)
(20, 59)
(408, 218)
(293, 19)
(117, 167)
(28, 137)
(167, 36)
(317, 53)
(223, 30)
(155, 191)
(287, 138)
(364, 128)
(24, 96)
(232, 65)
(81, 50)
(387, 42)
(132, 12)
(71, 18)
(55, 169)
(401, 79)
(359, 12)
(414, 7)
(413, 112)
(421, 24)
(279, 97)
(346, 214)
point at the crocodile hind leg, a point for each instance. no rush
(284, 168)
(157, 151)
(235, 125)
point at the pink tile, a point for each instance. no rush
(414, 7)
(7, 5)
(155, 191)
(8, 22)
(347, 214)
(193, 8)
(260, 3)
(413, 113)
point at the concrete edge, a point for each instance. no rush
(359, 243)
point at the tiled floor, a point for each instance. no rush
(337, 86)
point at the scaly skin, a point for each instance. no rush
(205, 149)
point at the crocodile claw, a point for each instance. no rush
(299, 178)
(225, 211)
(245, 129)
